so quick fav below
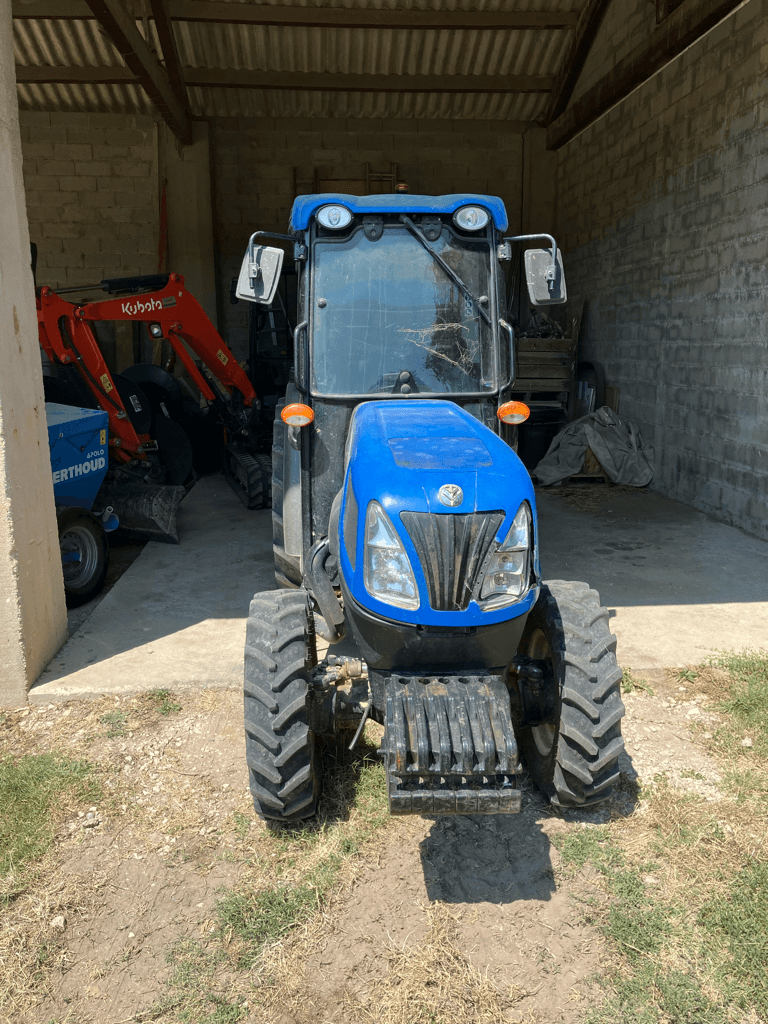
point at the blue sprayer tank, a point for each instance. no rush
(78, 439)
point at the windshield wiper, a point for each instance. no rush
(441, 263)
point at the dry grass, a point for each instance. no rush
(688, 878)
(699, 846)
(433, 983)
(30, 949)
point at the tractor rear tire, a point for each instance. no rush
(279, 746)
(573, 758)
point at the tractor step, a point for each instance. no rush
(449, 746)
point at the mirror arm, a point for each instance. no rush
(551, 272)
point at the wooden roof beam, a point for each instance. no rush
(146, 70)
(225, 78)
(167, 39)
(49, 75)
(679, 30)
(330, 17)
(589, 23)
(121, 29)
(319, 17)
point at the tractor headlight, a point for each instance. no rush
(334, 217)
(471, 218)
(388, 574)
(506, 578)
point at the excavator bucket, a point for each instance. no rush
(147, 511)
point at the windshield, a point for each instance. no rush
(386, 307)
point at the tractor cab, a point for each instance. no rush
(400, 297)
(403, 519)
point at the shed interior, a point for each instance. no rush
(158, 135)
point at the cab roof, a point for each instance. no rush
(305, 206)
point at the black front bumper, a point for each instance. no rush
(389, 646)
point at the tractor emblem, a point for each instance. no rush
(451, 495)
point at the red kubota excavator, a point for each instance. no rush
(150, 452)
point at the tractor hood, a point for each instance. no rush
(401, 454)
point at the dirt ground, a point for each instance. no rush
(131, 877)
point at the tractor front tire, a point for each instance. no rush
(573, 757)
(279, 746)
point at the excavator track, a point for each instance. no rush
(249, 475)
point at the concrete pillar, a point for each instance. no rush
(185, 172)
(33, 619)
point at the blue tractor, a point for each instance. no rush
(404, 527)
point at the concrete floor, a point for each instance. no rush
(678, 584)
(176, 617)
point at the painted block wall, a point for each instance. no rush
(663, 216)
(255, 162)
(92, 195)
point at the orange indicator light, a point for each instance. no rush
(513, 412)
(297, 415)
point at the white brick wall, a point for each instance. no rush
(663, 216)
(92, 195)
(254, 162)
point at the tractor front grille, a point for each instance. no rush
(452, 550)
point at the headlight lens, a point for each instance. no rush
(506, 578)
(471, 218)
(388, 574)
(336, 218)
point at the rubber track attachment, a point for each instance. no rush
(249, 475)
(279, 746)
(582, 767)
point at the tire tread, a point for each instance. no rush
(583, 765)
(279, 744)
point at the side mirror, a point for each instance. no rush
(259, 273)
(545, 280)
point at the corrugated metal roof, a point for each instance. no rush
(301, 49)
(368, 51)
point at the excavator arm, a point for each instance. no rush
(169, 311)
(70, 341)
(173, 313)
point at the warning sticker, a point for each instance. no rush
(224, 358)
(103, 437)
(135, 403)
(106, 382)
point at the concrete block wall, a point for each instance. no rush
(663, 216)
(257, 160)
(92, 195)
